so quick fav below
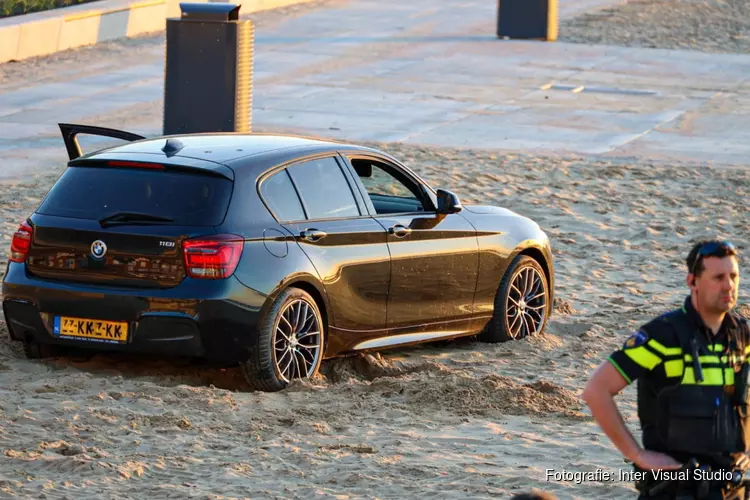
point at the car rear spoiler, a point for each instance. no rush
(70, 131)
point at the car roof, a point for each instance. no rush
(219, 147)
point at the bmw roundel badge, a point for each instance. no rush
(98, 249)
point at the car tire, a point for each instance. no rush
(34, 350)
(270, 367)
(509, 308)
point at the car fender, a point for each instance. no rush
(272, 275)
(502, 236)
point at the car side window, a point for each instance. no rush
(324, 190)
(278, 192)
(388, 193)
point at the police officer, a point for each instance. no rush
(691, 365)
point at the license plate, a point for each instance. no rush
(113, 332)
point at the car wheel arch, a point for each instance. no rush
(318, 294)
(536, 254)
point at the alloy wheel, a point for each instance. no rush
(526, 303)
(297, 341)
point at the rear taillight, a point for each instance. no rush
(19, 246)
(212, 257)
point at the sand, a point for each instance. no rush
(700, 25)
(453, 420)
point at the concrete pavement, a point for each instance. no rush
(421, 73)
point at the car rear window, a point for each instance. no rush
(96, 192)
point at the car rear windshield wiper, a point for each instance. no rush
(132, 218)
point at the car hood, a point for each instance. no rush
(489, 209)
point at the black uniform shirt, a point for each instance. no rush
(654, 357)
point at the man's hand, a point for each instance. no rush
(742, 461)
(649, 460)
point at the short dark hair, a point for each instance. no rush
(535, 495)
(708, 248)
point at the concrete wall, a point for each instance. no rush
(43, 33)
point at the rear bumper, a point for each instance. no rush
(215, 319)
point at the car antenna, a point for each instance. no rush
(172, 147)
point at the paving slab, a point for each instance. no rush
(414, 72)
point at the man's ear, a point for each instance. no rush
(690, 280)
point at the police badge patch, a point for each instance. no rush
(637, 339)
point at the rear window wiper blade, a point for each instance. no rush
(131, 218)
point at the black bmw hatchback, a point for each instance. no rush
(271, 252)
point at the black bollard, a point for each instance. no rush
(527, 19)
(209, 70)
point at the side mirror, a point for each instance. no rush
(364, 170)
(448, 202)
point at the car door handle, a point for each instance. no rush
(313, 234)
(399, 231)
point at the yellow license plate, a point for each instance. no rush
(114, 332)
